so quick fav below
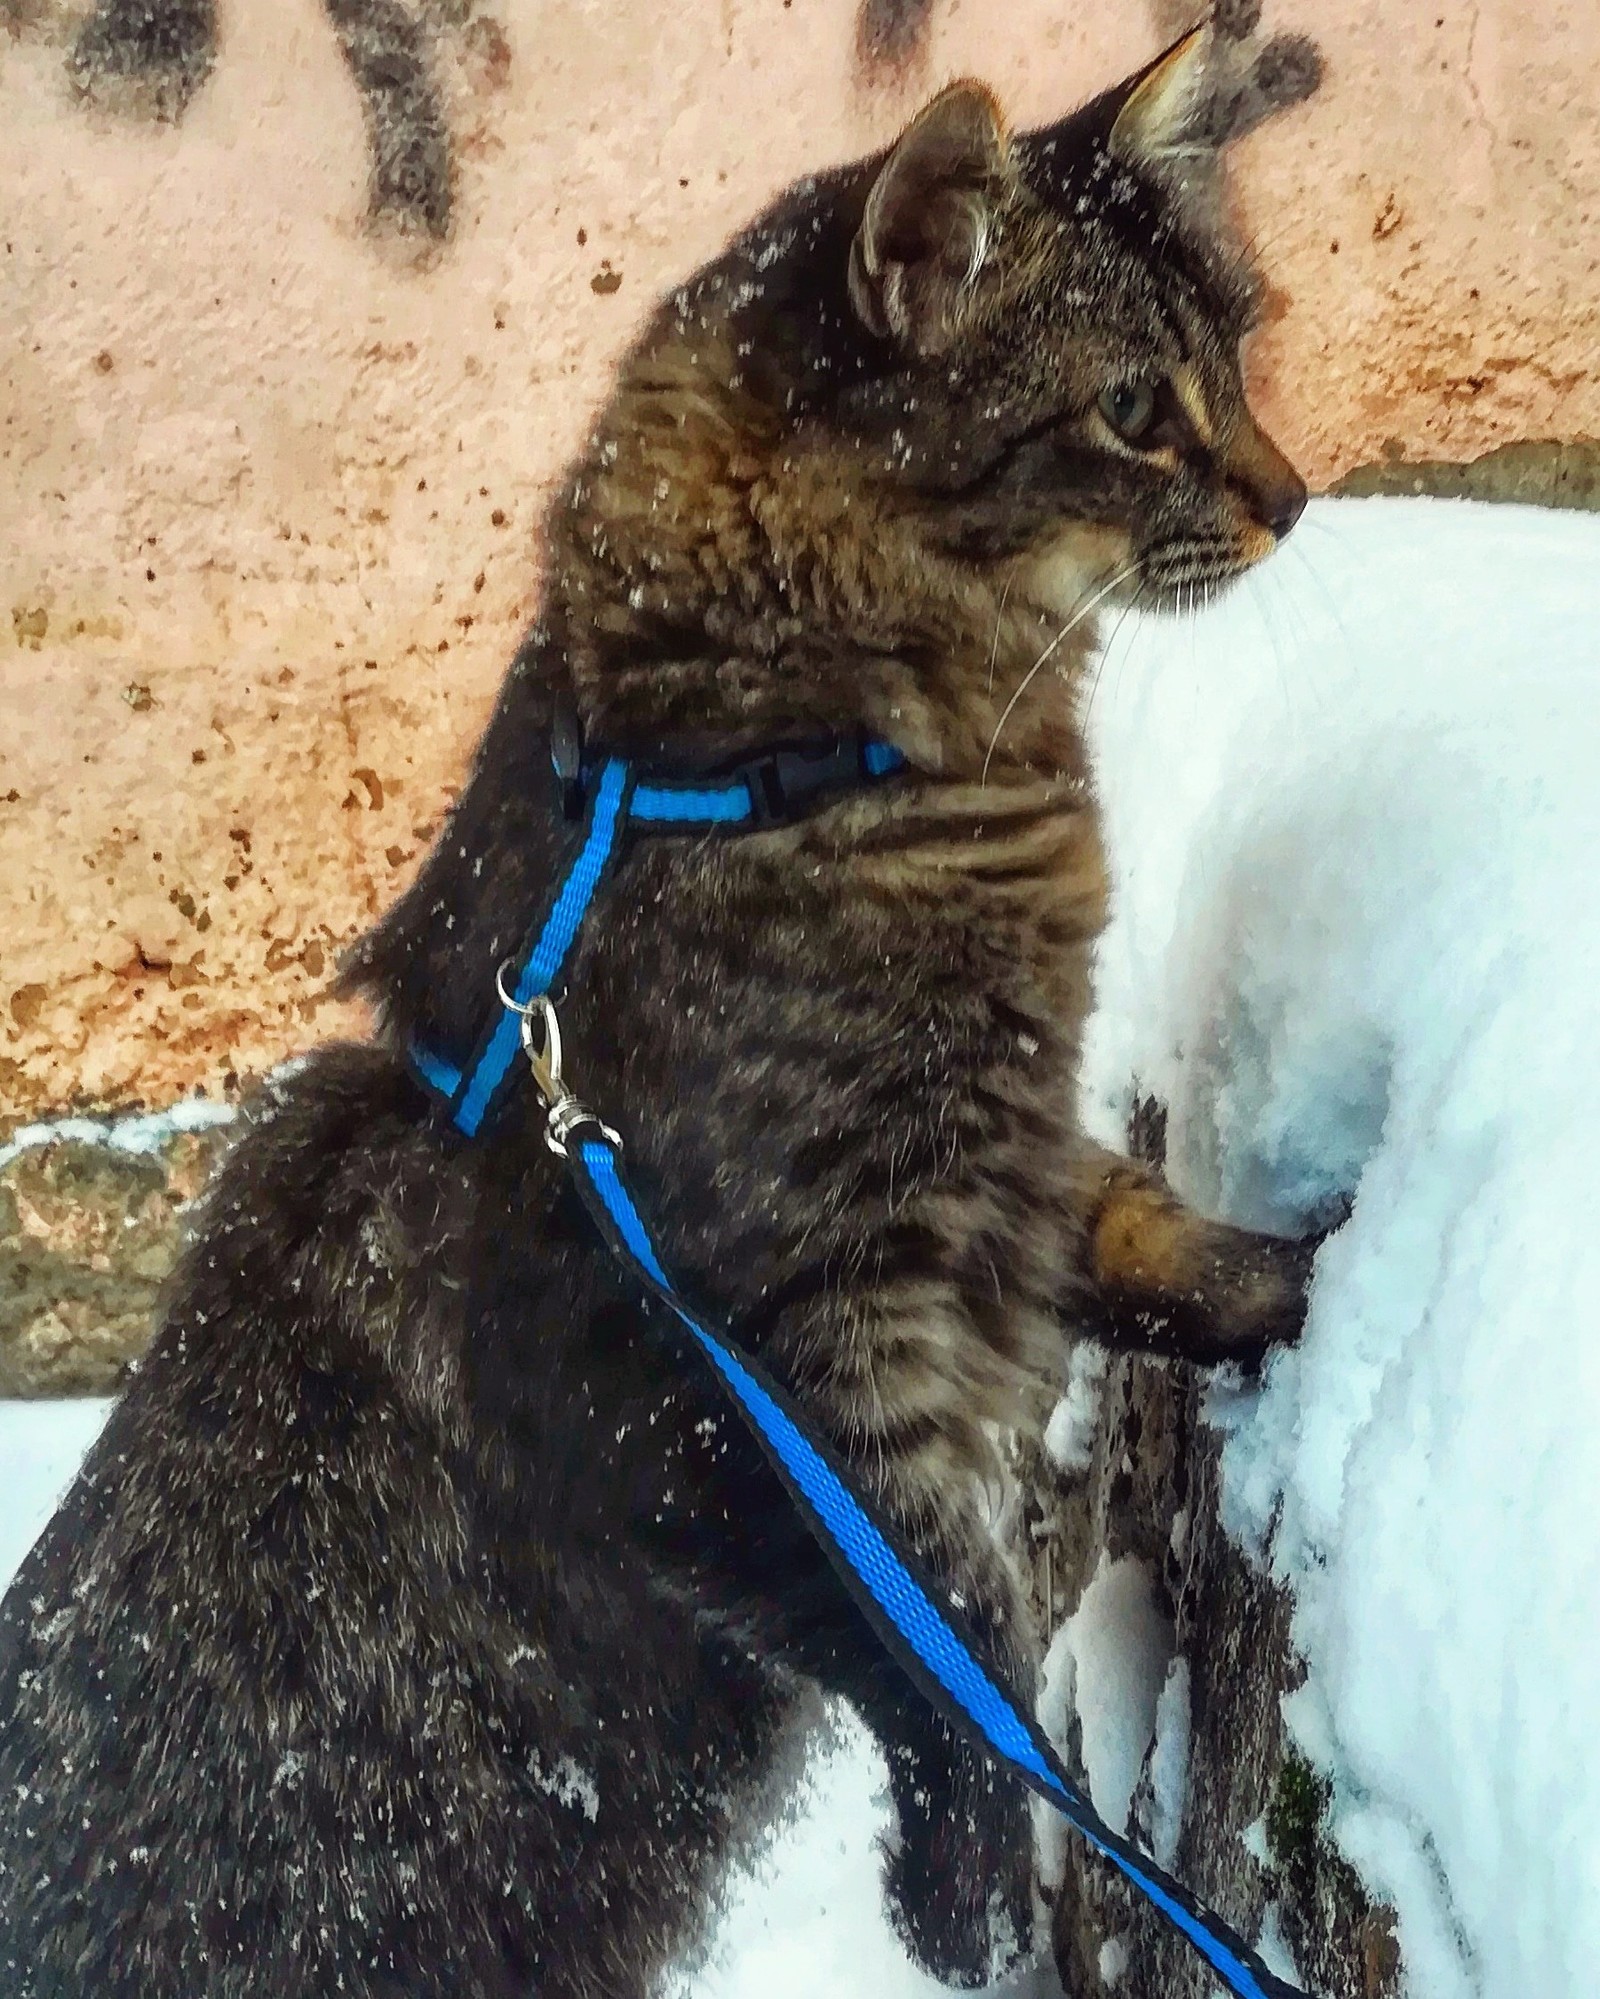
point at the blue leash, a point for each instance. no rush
(908, 1609)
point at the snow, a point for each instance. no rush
(1169, 1764)
(1107, 1665)
(1357, 950)
(1275, 1952)
(1354, 820)
(1069, 1435)
(140, 1132)
(807, 1916)
(41, 1447)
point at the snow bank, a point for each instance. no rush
(1356, 825)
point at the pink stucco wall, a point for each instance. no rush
(269, 482)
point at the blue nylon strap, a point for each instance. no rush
(436, 1072)
(577, 891)
(662, 805)
(543, 964)
(882, 1576)
(717, 805)
(732, 802)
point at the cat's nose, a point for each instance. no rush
(1282, 504)
(1264, 479)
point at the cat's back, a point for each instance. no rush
(277, 1704)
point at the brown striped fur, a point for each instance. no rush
(423, 1624)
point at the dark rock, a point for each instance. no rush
(87, 1233)
(1151, 1491)
(1535, 474)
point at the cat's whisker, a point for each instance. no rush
(1258, 247)
(994, 650)
(1104, 660)
(1079, 614)
(1255, 596)
(1300, 622)
(1314, 571)
(1345, 651)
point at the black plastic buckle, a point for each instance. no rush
(783, 783)
(566, 756)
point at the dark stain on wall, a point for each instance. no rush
(412, 178)
(890, 35)
(147, 58)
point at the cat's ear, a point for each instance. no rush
(1166, 105)
(1211, 87)
(928, 221)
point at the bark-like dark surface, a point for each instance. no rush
(1151, 1493)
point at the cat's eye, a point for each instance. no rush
(1130, 409)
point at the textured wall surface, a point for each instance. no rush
(304, 305)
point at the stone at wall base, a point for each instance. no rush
(87, 1233)
(1533, 474)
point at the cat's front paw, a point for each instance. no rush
(1170, 1281)
(1268, 1285)
(1259, 1298)
(961, 1899)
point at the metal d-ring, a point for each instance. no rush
(564, 1111)
(543, 1059)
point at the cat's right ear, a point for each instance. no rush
(928, 222)
(1210, 88)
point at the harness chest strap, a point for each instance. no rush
(761, 791)
(907, 1607)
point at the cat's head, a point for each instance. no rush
(980, 371)
(1065, 319)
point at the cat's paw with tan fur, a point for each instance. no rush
(1169, 1281)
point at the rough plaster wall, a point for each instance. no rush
(272, 460)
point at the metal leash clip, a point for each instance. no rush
(565, 1111)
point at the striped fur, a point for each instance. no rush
(422, 1624)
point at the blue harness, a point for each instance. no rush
(911, 1612)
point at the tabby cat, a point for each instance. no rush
(422, 1623)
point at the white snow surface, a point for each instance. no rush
(1355, 823)
(140, 1132)
(1069, 1435)
(41, 1447)
(1108, 1664)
